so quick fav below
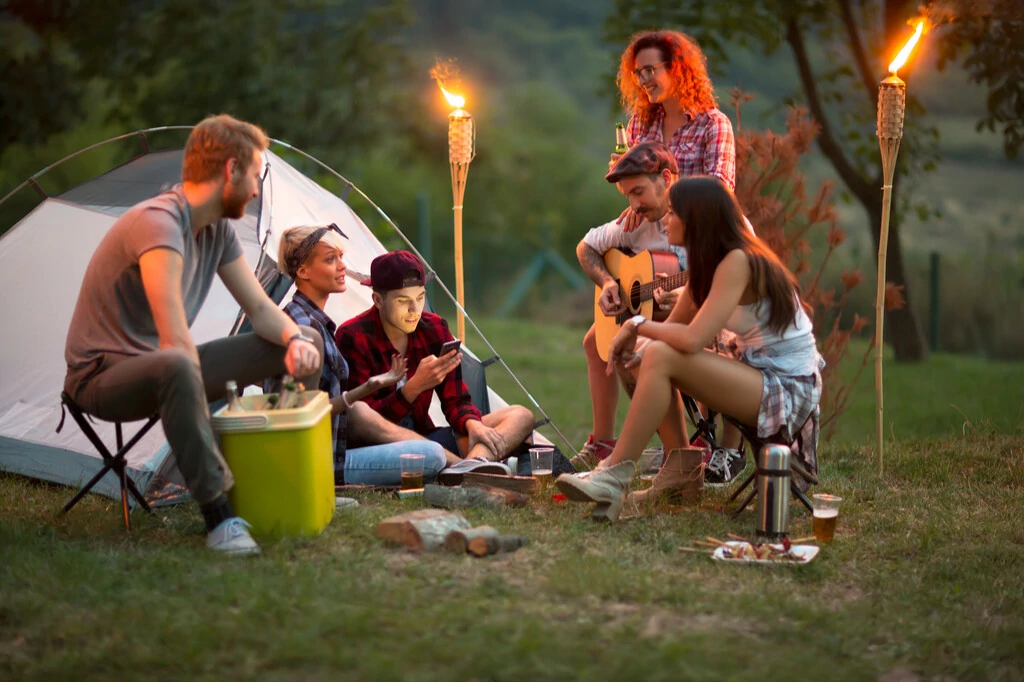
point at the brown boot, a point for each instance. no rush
(680, 480)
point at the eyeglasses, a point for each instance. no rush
(646, 73)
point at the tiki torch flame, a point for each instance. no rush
(457, 101)
(901, 58)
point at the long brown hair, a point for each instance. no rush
(687, 69)
(713, 226)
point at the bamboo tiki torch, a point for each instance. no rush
(461, 150)
(892, 105)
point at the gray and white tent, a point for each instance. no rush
(51, 246)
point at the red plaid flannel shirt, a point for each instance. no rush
(366, 346)
(704, 145)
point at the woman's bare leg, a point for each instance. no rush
(725, 385)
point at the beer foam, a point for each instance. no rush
(826, 514)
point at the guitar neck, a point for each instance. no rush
(645, 292)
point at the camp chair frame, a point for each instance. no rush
(117, 462)
(704, 427)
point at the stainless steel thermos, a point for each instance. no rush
(772, 482)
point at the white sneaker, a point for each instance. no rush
(232, 537)
(341, 502)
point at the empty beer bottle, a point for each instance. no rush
(620, 139)
(234, 402)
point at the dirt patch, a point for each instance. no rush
(659, 622)
(900, 673)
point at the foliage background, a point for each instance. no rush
(347, 82)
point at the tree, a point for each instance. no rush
(858, 40)
(325, 74)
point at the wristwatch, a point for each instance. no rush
(637, 321)
(299, 337)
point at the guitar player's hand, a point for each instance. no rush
(629, 220)
(622, 348)
(610, 300)
(666, 299)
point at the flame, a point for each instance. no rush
(457, 101)
(901, 58)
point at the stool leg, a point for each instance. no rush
(125, 510)
(85, 489)
(745, 484)
(138, 496)
(801, 496)
(745, 503)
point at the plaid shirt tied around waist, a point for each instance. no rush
(704, 145)
(366, 344)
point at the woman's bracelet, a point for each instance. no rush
(344, 399)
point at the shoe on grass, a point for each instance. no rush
(724, 466)
(342, 502)
(592, 453)
(452, 475)
(606, 487)
(232, 537)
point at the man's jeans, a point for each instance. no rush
(125, 388)
(379, 465)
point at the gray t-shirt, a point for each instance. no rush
(112, 314)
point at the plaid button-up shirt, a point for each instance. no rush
(303, 311)
(363, 340)
(704, 145)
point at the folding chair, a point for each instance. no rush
(116, 462)
(705, 428)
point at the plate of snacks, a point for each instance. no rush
(746, 552)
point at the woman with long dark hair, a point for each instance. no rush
(736, 283)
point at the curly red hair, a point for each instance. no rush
(687, 70)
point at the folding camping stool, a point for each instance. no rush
(705, 428)
(116, 462)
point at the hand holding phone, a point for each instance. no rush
(449, 346)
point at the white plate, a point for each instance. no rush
(806, 553)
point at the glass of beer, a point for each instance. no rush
(541, 465)
(412, 470)
(826, 513)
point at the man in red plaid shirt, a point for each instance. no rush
(397, 323)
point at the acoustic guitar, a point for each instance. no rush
(635, 275)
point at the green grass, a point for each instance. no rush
(923, 579)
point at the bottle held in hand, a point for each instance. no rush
(620, 139)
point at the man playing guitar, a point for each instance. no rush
(643, 174)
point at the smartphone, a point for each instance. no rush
(447, 347)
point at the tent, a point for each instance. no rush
(51, 247)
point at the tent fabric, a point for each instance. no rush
(49, 249)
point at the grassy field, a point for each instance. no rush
(923, 581)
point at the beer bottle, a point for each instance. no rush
(234, 402)
(284, 400)
(620, 139)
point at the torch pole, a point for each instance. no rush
(883, 242)
(459, 173)
(892, 95)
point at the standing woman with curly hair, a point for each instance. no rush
(664, 84)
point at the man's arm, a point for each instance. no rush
(161, 279)
(268, 321)
(592, 264)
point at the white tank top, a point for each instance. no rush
(749, 322)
